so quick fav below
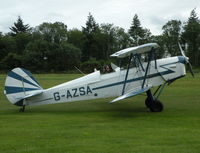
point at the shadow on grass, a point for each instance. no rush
(101, 109)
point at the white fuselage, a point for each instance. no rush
(96, 85)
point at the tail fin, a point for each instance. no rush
(19, 85)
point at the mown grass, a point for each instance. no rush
(98, 127)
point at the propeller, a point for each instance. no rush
(186, 59)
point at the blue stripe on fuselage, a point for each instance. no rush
(135, 79)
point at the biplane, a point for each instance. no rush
(142, 72)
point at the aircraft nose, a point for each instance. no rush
(183, 59)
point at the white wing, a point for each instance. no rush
(135, 50)
(131, 94)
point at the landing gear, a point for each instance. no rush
(147, 102)
(157, 106)
(153, 104)
(22, 109)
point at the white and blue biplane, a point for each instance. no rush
(141, 74)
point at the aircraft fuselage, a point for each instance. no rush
(96, 85)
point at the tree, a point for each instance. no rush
(89, 47)
(110, 39)
(64, 57)
(137, 33)
(50, 48)
(159, 39)
(91, 25)
(46, 56)
(7, 45)
(21, 33)
(35, 55)
(106, 40)
(19, 27)
(52, 32)
(171, 35)
(122, 39)
(21, 39)
(76, 38)
(191, 36)
(146, 36)
(11, 61)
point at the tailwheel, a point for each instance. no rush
(22, 109)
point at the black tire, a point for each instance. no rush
(21, 110)
(156, 106)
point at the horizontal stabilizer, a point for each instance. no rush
(131, 94)
(33, 93)
(19, 101)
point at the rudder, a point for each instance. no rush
(20, 84)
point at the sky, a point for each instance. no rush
(153, 14)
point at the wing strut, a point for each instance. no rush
(139, 61)
(147, 68)
(129, 63)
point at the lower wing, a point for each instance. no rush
(131, 94)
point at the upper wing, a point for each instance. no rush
(135, 50)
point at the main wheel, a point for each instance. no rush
(156, 106)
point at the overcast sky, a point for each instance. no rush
(153, 14)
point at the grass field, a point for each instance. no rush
(98, 127)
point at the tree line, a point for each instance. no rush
(52, 47)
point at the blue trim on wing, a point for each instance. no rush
(12, 90)
(20, 78)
